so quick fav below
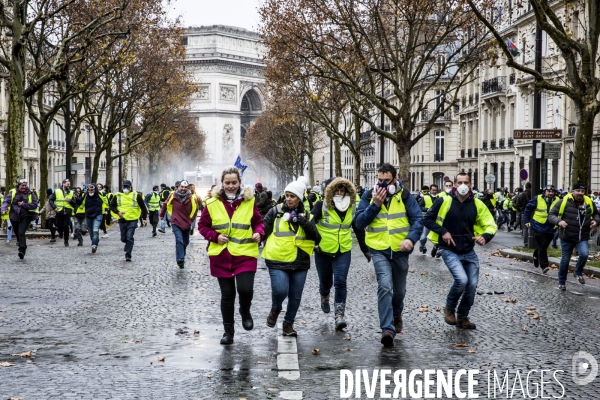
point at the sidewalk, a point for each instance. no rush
(553, 260)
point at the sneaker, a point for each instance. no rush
(562, 287)
(423, 249)
(105, 236)
(398, 323)
(127, 258)
(21, 255)
(94, 248)
(464, 323)
(545, 270)
(52, 240)
(66, 244)
(288, 330)
(8, 242)
(325, 304)
(580, 279)
(387, 339)
(80, 244)
(154, 234)
(181, 264)
(449, 316)
(438, 254)
(272, 318)
(161, 230)
(536, 262)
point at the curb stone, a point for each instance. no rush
(553, 260)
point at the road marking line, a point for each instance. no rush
(287, 358)
(291, 395)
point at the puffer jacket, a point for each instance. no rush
(578, 229)
(50, 212)
(302, 260)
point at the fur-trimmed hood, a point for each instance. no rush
(246, 194)
(333, 186)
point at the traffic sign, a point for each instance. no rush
(537, 133)
(523, 174)
(552, 150)
(74, 167)
(490, 178)
(446, 178)
(539, 150)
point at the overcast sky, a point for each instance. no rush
(240, 13)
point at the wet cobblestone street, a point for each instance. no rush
(96, 326)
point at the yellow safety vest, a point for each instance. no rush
(586, 200)
(154, 202)
(13, 193)
(442, 194)
(335, 233)
(428, 202)
(390, 227)
(60, 200)
(283, 242)
(128, 205)
(170, 206)
(238, 228)
(81, 208)
(541, 210)
(484, 223)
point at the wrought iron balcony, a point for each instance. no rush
(494, 85)
(470, 153)
(511, 143)
(493, 144)
(501, 144)
(484, 145)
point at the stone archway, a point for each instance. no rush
(251, 106)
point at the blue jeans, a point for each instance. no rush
(567, 250)
(288, 284)
(333, 271)
(465, 271)
(391, 287)
(423, 238)
(182, 239)
(555, 237)
(93, 225)
(127, 231)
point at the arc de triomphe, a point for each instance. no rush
(227, 65)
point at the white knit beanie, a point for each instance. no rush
(297, 188)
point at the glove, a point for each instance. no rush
(367, 256)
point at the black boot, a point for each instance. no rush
(228, 335)
(247, 321)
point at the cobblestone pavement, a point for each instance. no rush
(96, 326)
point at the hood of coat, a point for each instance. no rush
(247, 192)
(333, 186)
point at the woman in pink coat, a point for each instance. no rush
(233, 226)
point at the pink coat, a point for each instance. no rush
(225, 265)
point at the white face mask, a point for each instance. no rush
(341, 202)
(91, 194)
(448, 190)
(463, 189)
(126, 191)
(231, 196)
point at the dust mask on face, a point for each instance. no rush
(448, 190)
(341, 202)
(91, 193)
(231, 196)
(463, 189)
(125, 191)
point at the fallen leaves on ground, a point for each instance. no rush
(347, 337)
(6, 364)
(532, 308)
(472, 351)
(161, 358)
(525, 329)
(460, 345)
(425, 273)
(25, 354)
(424, 309)
(528, 312)
(513, 300)
(438, 309)
(196, 332)
(411, 270)
(315, 352)
(507, 300)
(263, 362)
(347, 349)
(487, 274)
(536, 316)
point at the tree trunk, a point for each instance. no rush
(311, 151)
(403, 150)
(125, 169)
(109, 167)
(43, 142)
(16, 120)
(338, 156)
(583, 153)
(357, 155)
(96, 165)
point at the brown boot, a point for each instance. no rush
(449, 316)
(398, 323)
(464, 323)
(272, 318)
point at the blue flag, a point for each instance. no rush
(238, 164)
